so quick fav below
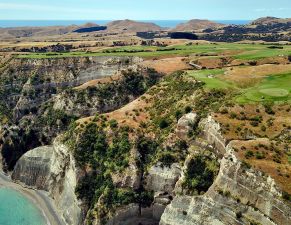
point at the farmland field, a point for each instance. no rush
(252, 83)
(246, 51)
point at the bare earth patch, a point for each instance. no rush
(132, 114)
(168, 65)
(91, 83)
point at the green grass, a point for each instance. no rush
(249, 51)
(275, 88)
(211, 78)
(263, 53)
(275, 92)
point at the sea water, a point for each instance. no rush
(16, 209)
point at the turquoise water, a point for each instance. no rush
(16, 209)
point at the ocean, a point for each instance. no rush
(16, 209)
(42, 23)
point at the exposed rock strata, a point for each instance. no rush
(41, 108)
(212, 134)
(131, 214)
(52, 168)
(47, 77)
(185, 125)
(239, 194)
(163, 179)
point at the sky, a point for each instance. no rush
(142, 9)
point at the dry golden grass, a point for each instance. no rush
(280, 172)
(211, 62)
(168, 65)
(281, 120)
(233, 129)
(246, 76)
(132, 114)
(98, 81)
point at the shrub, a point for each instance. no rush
(233, 115)
(249, 154)
(178, 114)
(246, 164)
(263, 128)
(254, 123)
(268, 109)
(224, 111)
(188, 109)
(167, 159)
(163, 124)
(238, 214)
(200, 174)
(260, 155)
(113, 123)
(286, 196)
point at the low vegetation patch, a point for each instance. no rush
(200, 174)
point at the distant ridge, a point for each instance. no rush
(89, 27)
(197, 24)
(270, 20)
(41, 31)
(132, 26)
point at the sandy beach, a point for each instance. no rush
(39, 198)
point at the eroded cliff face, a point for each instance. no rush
(53, 169)
(43, 100)
(30, 82)
(239, 194)
(211, 133)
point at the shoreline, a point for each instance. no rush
(40, 198)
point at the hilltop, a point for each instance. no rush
(197, 24)
(26, 32)
(132, 26)
(270, 21)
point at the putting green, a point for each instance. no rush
(276, 88)
(274, 92)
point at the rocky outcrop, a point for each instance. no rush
(239, 195)
(34, 168)
(132, 214)
(185, 124)
(42, 79)
(162, 178)
(212, 134)
(52, 168)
